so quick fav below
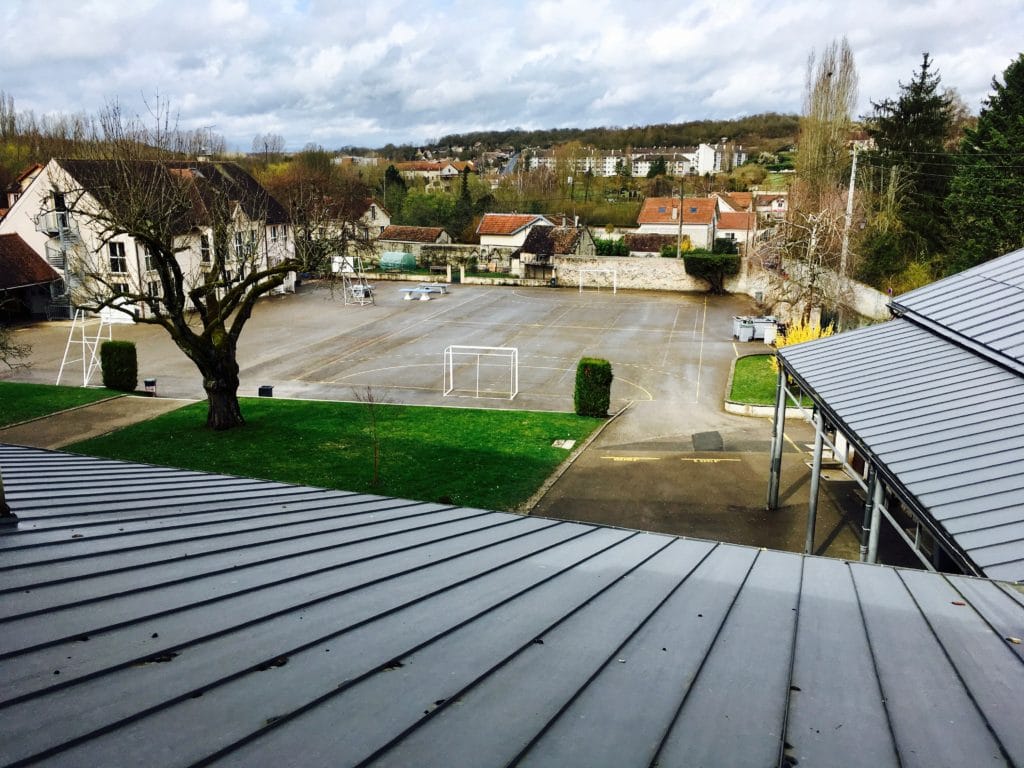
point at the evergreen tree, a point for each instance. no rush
(463, 216)
(658, 168)
(910, 134)
(986, 202)
(394, 191)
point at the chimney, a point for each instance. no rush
(675, 213)
(576, 221)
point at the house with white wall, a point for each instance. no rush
(697, 220)
(59, 211)
(508, 230)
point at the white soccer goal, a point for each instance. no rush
(612, 273)
(475, 358)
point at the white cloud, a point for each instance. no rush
(402, 70)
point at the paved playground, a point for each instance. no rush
(673, 462)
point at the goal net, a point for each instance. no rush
(600, 276)
(481, 371)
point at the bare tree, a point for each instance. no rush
(806, 247)
(211, 243)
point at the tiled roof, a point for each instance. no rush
(738, 201)
(552, 241)
(162, 617)
(412, 234)
(508, 223)
(737, 220)
(20, 265)
(696, 210)
(230, 180)
(647, 243)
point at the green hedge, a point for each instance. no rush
(712, 267)
(120, 365)
(593, 387)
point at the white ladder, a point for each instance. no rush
(90, 345)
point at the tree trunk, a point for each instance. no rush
(221, 385)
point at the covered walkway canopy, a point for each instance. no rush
(933, 401)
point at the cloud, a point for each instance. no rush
(405, 70)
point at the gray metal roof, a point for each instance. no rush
(984, 305)
(935, 398)
(155, 617)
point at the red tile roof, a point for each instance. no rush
(508, 223)
(696, 210)
(737, 220)
(411, 234)
(738, 201)
(20, 265)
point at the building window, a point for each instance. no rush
(150, 264)
(153, 288)
(204, 249)
(373, 213)
(239, 246)
(118, 262)
(273, 233)
(120, 288)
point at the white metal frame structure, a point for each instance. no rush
(90, 344)
(509, 353)
(601, 270)
(355, 288)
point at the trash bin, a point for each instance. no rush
(761, 325)
(266, 390)
(770, 332)
(150, 386)
(746, 330)
(736, 321)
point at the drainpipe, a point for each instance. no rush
(777, 437)
(812, 504)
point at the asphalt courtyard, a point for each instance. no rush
(674, 461)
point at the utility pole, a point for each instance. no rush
(679, 236)
(845, 252)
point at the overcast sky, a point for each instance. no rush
(378, 71)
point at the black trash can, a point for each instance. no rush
(150, 386)
(266, 390)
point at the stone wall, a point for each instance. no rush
(653, 274)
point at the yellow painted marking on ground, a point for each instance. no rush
(700, 355)
(632, 458)
(708, 461)
(790, 440)
(735, 349)
(668, 346)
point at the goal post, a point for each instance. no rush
(611, 272)
(473, 358)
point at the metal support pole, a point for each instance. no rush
(812, 503)
(778, 436)
(876, 520)
(869, 506)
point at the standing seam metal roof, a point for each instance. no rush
(255, 623)
(934, 397)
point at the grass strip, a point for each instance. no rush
(477, 458)
(20, 401)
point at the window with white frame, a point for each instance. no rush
(204, 249)
(239, 246)
(119, 288)
(118, 262)
(153, 288)
(150, 264)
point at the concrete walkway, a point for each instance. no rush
(77, 424)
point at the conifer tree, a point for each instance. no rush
(986, 203)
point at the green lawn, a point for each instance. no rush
(754, 381)
(21, 402)
(476, 458)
